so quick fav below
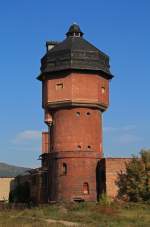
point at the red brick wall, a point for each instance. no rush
(113, 166)
(75, 102)
(45, 142)
(81, 168)
(76, 87)
(77, 129)
(55, 94)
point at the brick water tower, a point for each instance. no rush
(75, 92)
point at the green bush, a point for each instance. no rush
(134, 184)
(105, 200)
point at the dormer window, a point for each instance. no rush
(50, 45)
(76, 34)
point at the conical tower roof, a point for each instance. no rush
(75, 53)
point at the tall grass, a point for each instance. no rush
(89, 214)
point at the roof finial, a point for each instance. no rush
(74, 31)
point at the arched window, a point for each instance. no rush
(64, 169)
(86, 188)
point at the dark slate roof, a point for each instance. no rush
(75, 53)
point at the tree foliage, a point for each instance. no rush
(134, 183)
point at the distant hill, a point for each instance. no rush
(11, 170)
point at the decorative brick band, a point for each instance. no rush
(75, 154)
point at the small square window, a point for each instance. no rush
(59, 86)
(78, 114)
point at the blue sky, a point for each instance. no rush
(119, 28)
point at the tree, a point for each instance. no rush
(134, 184)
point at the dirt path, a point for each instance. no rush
(66, 223)
(50, 221)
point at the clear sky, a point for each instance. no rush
(119, 28)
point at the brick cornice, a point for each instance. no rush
(75, 154)
(81, 103)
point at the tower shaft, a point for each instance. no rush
(75, 86)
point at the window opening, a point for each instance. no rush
(64, 169)
(88, 113)
(59, 86)
(86, 188)
(103, 90)
(78, 114)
